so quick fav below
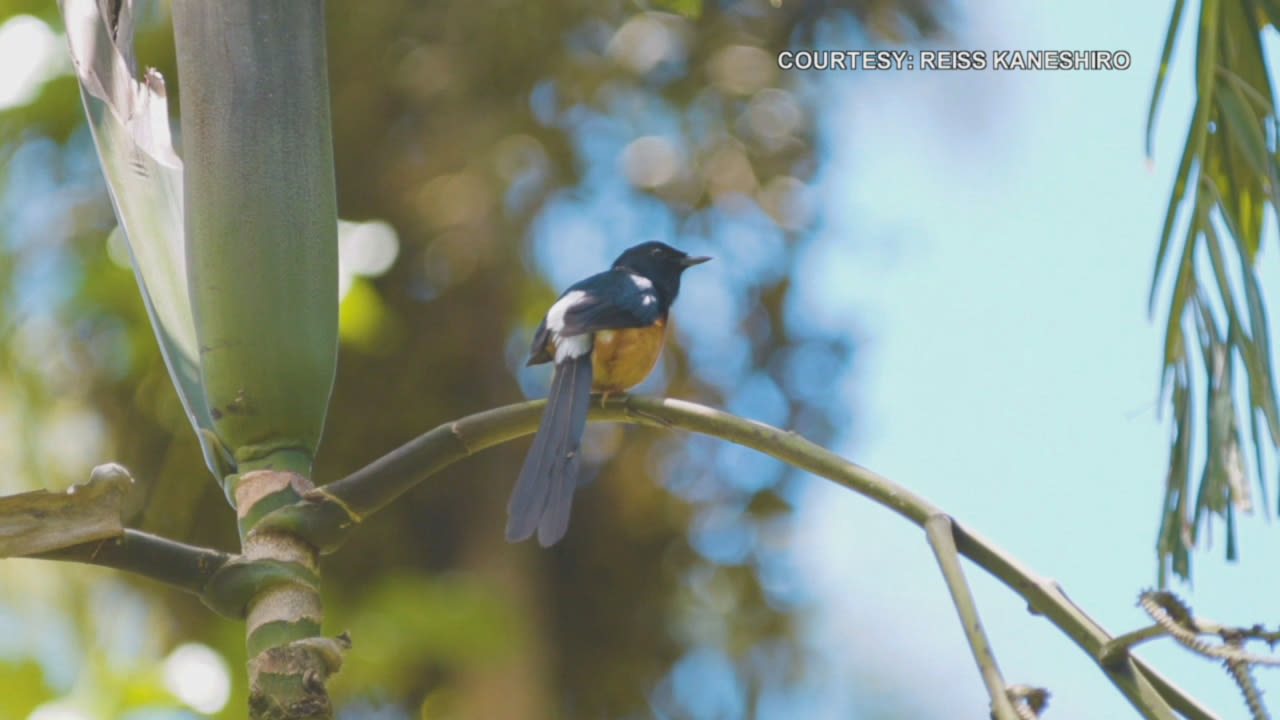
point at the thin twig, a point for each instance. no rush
(938, 530)
(1175, 619)
(1116, 648)
(1242, 672)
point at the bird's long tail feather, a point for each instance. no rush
(543, 495)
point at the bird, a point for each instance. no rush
(604, 334)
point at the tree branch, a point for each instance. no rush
(1118, 647)
(84, 525)
(325, 515)
(938, 531)
(176, 564)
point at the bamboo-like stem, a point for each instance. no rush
(261, 223)
(178, 565)
(938, 530)
(326, 514)
(260, 219)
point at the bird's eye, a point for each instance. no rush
(656, 251)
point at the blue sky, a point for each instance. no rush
(990, 238)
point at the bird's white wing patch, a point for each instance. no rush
(646, 288)
(572, 346)
(555, 316)
(567, 346)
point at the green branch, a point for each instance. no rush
(1117, 648)
(84, 525)
(325, 515)
(176, 564)
(938, 530)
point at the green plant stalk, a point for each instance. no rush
(186, 567)
(262, 264)
(330, 512)
(277, 591)
(261, 222)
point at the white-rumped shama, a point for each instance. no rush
(604, 334)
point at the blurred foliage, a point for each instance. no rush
(513, 147)
(1219, 380)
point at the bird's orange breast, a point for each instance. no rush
(622, 359)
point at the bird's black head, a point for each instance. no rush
(661, 263)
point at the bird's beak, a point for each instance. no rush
(691, 260)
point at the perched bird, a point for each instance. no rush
(604, 334)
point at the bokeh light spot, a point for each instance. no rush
(31, 53)
(650, 161)
(646, 40)
(368, 248)
(742, 69)
(197, 675)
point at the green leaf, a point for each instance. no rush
(1212, 494)
(130, 124)
(1242, 126)
(1262, 390)
(1213, 243)
(1171, 541)
(1255, 435)
(1170, 37)
(1206, 65)
(1232, 550)
(1183, 287)
(261, 223)
(1176, 198)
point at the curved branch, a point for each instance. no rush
(325, 515)
(186, 567)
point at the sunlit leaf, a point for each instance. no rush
(1228, 173)
(1175, 21)
(1170, 217)
(1170, 542)
(1243, 128)
(1183, 287)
